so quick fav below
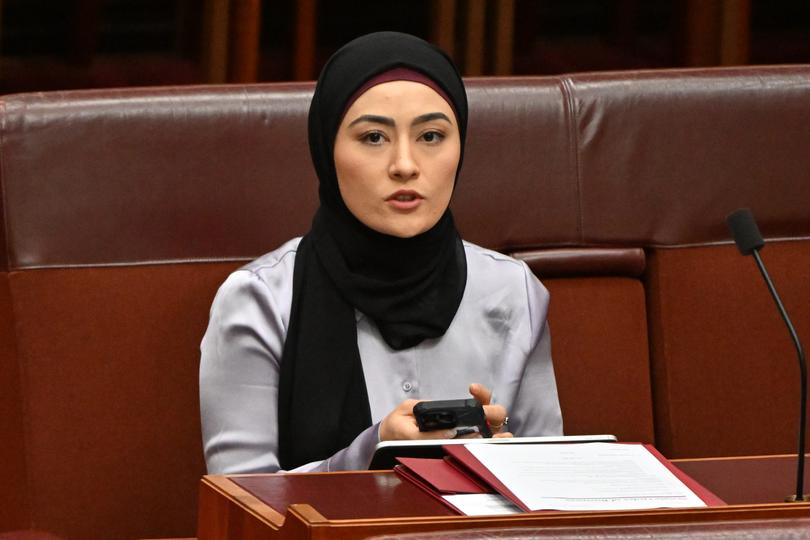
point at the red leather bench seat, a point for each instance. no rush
(123, 210)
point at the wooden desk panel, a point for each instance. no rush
(746, 480)
(352, 505)
(345, 495)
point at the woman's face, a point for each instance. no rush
(396, 154)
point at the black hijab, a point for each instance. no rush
(409, 287)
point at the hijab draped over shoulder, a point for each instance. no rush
(409, 287)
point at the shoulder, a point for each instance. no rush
(493, 274)
(265, 280)
(486, 263)
(273, 270)
(278, 262)
(481, 257)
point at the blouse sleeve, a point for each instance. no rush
(239, 371)
(536, 407)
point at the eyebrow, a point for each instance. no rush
(387, 121)
(429, 117)
(376, 119)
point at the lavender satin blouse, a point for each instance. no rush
(499, 338)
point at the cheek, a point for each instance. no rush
(347, 168)
(355, 178)
(446, 173)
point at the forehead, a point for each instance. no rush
(399, 98)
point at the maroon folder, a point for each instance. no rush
(437, 477)
(440, 476)
(470, 464)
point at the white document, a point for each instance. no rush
(590, 476)
(482, 504)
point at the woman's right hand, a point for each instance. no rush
(400, 424)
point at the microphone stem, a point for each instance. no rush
(802, 369)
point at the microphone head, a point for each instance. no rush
(745, 231)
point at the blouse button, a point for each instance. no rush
(407, 386)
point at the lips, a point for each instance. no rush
(404, 199)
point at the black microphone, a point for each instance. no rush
(749, 241)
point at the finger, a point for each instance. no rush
(407, 405)
(481, 393)
(438, 434)
(504, 435)
(496, 416)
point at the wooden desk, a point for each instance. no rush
(360, 504)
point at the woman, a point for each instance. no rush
(318, 350)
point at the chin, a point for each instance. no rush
(403, 230)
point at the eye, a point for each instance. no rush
(432, 137)
(373, 138)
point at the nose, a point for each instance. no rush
(403, 165)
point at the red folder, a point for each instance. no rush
(461, 472)
(440, 475)
(461, 456)
(437, 477)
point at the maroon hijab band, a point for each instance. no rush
(400, 74)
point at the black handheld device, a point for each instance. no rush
(467, 415)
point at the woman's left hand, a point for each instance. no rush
(496, 414)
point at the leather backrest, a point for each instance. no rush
(208, 173)
(211, 173)
(664, 156)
